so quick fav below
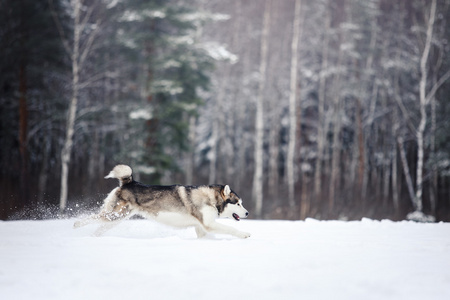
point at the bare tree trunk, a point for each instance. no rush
(190, 158)
(409, 183)
(290, 161)
(359, 117)
(365, 180)
(335, 156)
(70, 127)
(306, 202)
(43, 172)
(214, 141)
(336, 146)
(423, 114)
(257, 193)
(394, 180)
(23, 132)
(434, 172)
(386, 161)
(274, 151)
(386, 176)
(321, 124)
(242, 143)
(361, 152)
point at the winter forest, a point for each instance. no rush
(330, 109)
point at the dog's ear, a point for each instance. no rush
(226, 191)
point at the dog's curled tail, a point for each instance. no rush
(121, 172)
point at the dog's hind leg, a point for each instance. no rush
(109, 205)
(112, 214)
(109, 219)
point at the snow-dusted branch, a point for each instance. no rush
(89, 42)
(436, 86)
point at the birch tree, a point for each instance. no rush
(259, 119)
(423, 114)
(321, 124)
(78, 53)
(290, 161)
(337, 117)
(424, 100)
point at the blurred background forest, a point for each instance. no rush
(326, 109)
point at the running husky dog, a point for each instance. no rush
(175, 205)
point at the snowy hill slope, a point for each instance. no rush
(141, 259)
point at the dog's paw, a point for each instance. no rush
(243, 235)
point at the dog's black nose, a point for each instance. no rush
(246, 214)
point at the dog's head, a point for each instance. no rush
(232, 205)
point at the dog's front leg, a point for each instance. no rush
(215, 227)
(200, 231)
(210, 224)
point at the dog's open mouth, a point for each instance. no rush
(236, 217)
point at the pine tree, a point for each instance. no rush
(173, 70)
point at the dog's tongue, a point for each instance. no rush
(236, 217)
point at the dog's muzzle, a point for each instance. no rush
(237, 218)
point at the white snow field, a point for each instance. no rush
(140, 259)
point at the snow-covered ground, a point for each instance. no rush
(309, 259)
